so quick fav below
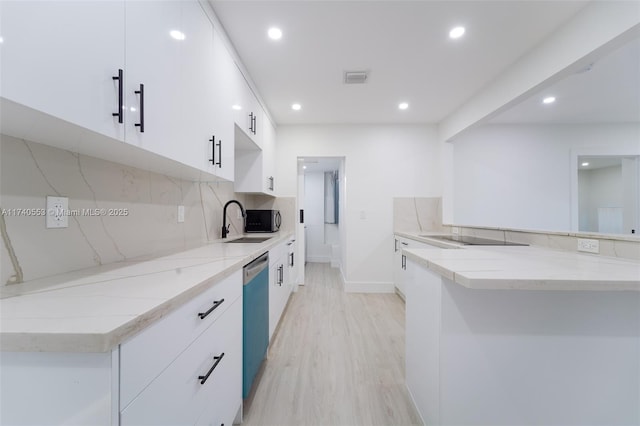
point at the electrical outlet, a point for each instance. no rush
(180, 214)
(588, 245)
(455, 230)
(57, 208)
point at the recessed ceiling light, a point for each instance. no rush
(403, 105)
(275, 33)
(585, 164)
(456, 32)
(178, 35)
(549, 100)
(296, 107)
(236, 107)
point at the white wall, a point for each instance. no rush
(381, 162)
(603, 189)
(317, 249)
(519, 176)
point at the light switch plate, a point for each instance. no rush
(588, 245)
(57, 208)
(180, 214)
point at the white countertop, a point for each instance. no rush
(527, 268)
(94, 310)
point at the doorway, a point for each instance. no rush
(321, 197)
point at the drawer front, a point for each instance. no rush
(147, 354)
(177, 396)
(276, 253)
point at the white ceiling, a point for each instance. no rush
(608, 92)
(403, 44)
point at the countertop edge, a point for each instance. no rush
(106, 342)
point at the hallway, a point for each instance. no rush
(337, 360)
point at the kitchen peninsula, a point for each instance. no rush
(522, 335)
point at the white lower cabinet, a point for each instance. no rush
(193, 387)
(187, 368)
(154, 378)
(279, 285)
(399, 261)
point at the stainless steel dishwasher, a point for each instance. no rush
(255, 319)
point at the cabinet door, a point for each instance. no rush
(222, 77)
(399, 243)
(60, 58)
(268, 155)
(247, 112)
(197, 115)
(153, 60)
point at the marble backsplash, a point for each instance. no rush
(29, 172)
(416, 215)
(625, 248)
(419, 214)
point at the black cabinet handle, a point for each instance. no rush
(271, 183)
(404, 262)
(252, 123)
(141, 93)
(203, 315)
(219, 153)
(119, 114)
(213, 150)
(291, 255)
(217, 360)
(255, 127)
(280, 275)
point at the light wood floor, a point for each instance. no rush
(336, 360)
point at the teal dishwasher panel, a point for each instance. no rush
(255, 328)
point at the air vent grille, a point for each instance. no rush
(355, 77)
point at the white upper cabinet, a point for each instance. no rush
(269, 155)
(248, 112)
(222, 78)
(153, 75)
(59, 58)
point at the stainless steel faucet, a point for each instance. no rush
(225, 227)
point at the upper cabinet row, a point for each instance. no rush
(155, 75)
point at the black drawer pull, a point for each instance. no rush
(203, 315)
(217, 360)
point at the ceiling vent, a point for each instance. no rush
(355, 77)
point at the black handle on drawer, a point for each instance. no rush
(203, 315)
(404, 262)
(292, 263)
(217, 360)
(141, 93)
(119, 114)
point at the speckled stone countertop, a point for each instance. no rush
(94, 310)
(525, 267)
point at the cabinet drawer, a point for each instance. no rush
(146, 355)
(177, 396)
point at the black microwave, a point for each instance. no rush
(262, 221)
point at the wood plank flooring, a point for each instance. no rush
(336, 360)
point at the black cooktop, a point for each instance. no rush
(474, 241)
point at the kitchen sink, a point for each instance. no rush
(249, 240)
